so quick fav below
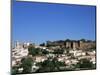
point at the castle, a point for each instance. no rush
(73, 44)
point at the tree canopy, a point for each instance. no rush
(84, 64)
(26, 64)
(50, 65)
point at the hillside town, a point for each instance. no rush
(53, 56)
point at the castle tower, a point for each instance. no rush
(68, 44)
(74, 46)
(81, 44)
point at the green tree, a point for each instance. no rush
(50, 65)
(45, 52)
(59, 51)
(33, 51)
(43, 44)
(14, 70)
(26, 64)
(84, 64)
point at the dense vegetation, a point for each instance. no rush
(50, 65)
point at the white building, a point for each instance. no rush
(77, 53)
(39, 58)
(18, 52)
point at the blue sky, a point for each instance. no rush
(39, 22)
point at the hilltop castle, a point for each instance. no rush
(73, 44)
